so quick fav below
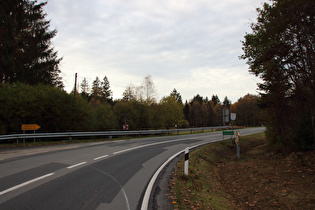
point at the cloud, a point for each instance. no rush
(190, 45)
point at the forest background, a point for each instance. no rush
(280, 50)
(31, 89)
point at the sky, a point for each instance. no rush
(190, 45)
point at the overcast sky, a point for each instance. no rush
(190, 45)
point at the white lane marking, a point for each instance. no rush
(25, 183)
(100, 157)
(69, 167)
(146, 197)
(97, 143)
(147, 145)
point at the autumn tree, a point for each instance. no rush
(205, 115)
(281, 51)
(195, 115)
(247, 111)
(171, 110)
(26, 52)
(197, 98)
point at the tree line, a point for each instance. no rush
(31, 88)
(55, 110)
(280, 50)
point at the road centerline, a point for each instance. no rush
(100, 157)
(147, 145)
(78, 164)
(25, 183)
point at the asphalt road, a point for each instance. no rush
(102, 175)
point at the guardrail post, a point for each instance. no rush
(34, 137)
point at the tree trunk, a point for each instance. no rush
(313, 122)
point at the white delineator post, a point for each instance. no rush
(186, 161)
(237, 141)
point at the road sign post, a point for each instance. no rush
(125, 127)
(29, 127)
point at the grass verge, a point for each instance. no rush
(260, 179)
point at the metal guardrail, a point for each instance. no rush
(69, 135)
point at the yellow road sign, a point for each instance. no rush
(30, 127)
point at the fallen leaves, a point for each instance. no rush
(263, 180)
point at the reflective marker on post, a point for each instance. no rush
(186, 161)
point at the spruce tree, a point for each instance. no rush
(106, 91)
(26, 54)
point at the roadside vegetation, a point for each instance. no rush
(276, 169)
(58, 111)
(280, 50)
(261, 178)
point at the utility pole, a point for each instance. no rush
(75, 84)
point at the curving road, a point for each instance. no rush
(102, 175)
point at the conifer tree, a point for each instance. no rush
(85, 89)
(106, 91)
(26, 54)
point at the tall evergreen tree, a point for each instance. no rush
(106, 91)
(197, 98)
(129, 93)
(178, 97)
(26, 54)
(215, 99)
(226, 102)
(186, 110)
(85, 89)
(96, 88)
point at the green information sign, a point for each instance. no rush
(228, 132)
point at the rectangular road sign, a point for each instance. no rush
(228, 132)
(233, 116)
(30, 127)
